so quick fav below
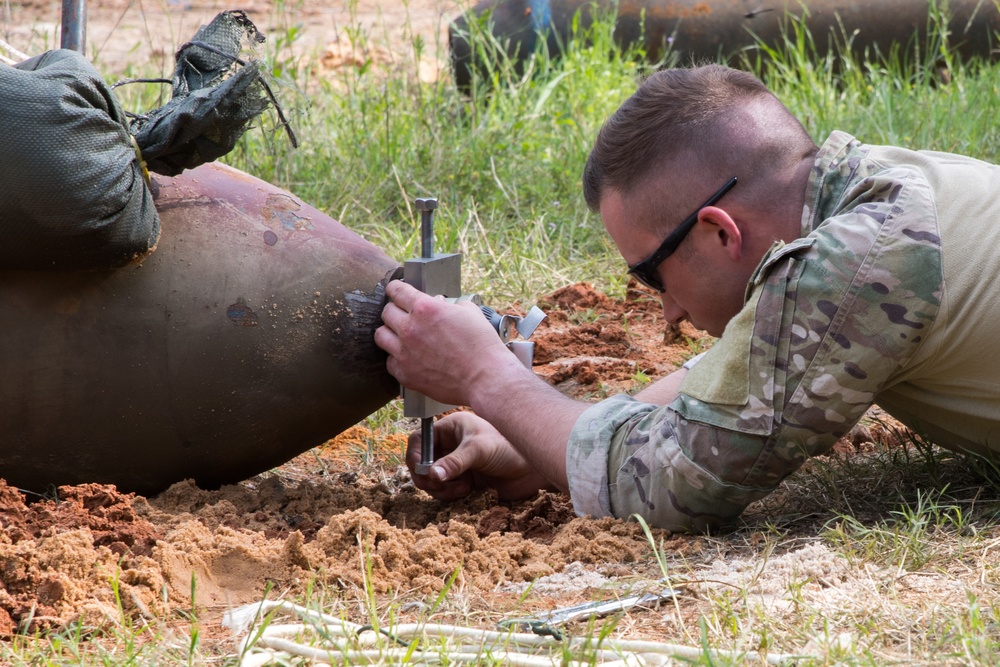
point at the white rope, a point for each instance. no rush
(328, 640)
(12, 52)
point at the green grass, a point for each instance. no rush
(506, 168)
(506, 161)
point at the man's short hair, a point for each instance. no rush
(704, 112)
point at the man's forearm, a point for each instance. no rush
(532, 415)
(537, 419)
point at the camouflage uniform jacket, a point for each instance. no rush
(890, 294)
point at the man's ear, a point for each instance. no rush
(725, 232)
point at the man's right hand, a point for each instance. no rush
(473, 455)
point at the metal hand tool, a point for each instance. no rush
(547, 623)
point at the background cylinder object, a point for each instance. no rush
(699, 30)
(245, 339)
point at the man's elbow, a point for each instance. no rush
(669, 513)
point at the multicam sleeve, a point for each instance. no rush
(594, 435)
(653, 476)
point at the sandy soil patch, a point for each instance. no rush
(123, 34)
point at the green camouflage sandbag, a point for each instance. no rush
(72, 193)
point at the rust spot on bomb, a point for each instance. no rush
(678, 11)
(283, 209)
(242, 314)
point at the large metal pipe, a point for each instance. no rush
(710, 29)
(243, 340)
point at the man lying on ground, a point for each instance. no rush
(835, 276)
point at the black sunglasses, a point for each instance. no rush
(646, 270)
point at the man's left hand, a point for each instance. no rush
(472, 455)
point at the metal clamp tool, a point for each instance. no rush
(547, 624)
(441, 274)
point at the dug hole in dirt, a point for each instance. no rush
(335, 509)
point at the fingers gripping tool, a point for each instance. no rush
(441, 274)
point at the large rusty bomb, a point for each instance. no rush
(243, 340)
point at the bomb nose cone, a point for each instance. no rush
(243, 340)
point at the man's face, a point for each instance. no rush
(700, 282)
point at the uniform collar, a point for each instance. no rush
(836, 162)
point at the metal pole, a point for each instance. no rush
(74, 25)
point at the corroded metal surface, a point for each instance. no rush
(243, 340)
(73, 27)
(710, 29)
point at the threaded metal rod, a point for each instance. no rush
(426, 443)
(426, 207)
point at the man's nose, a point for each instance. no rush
(672, 313)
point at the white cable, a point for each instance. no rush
(239, 620)
(271, 644)
(12, 52)
(275, 636)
